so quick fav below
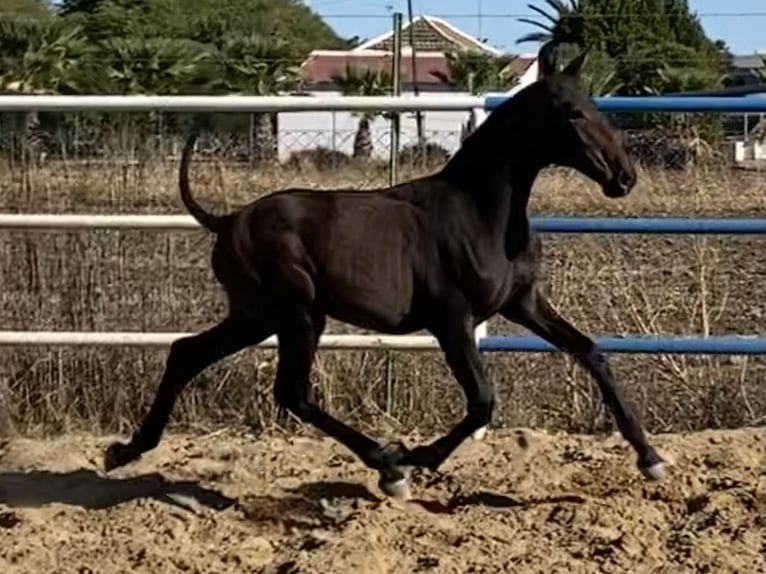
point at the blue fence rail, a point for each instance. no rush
(683, 345)
(680, 345)
(651, 225)
(754, 103)
(729, 345)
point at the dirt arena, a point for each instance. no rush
(519, 501)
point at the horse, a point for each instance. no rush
(442, 253)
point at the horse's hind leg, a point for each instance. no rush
(188, 357)
(534, 311)
(298, 340)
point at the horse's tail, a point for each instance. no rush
(208, 220)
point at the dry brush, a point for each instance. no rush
(161, 281)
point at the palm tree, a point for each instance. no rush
(568, 26)
(162, 66)
(363, 82)
(599, 75)
(152, 65)
(562, 36)
(478, 72)
(259, 66)
(39, 55)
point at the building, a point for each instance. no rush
(745, 70)
(433, 39)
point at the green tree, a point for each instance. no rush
(357, 81)
(599, 75)
(654, 44)
(206, 21)
(38, 55)
(478, 72)
(41, 55)
(36, 8)
(152, 65)
(258, 66)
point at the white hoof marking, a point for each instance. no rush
(656, 472)
(399, 489)
(479, 434)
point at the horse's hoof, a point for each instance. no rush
(398, 489)
(394, 479)
(655, 472)
(479, 434)
(117, 455)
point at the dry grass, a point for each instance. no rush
(160, 281)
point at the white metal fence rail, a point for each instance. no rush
(136, 103)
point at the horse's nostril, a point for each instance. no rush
(624, 179)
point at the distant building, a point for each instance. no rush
(433, 39)
(750, 143)
(744, 69)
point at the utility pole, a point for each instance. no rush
(415, 88)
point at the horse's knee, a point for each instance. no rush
(596, 361)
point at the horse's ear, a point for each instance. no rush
(546, 60)
(574, 68)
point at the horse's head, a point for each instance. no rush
(570, 131)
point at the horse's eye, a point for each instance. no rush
(576, 114)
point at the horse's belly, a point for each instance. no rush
(372, 290)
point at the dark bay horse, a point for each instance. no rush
(442, 253)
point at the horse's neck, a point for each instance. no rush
(496, 174)
(494, 177)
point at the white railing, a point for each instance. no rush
(72, 221)
(137, 103)
(234, 103)
(56, 222)
(135, 339)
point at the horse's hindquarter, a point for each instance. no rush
(363, 258)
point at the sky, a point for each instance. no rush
(739, 23)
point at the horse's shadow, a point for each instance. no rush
(88, 489)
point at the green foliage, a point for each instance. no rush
(599, 75)
(36, 8)
(42, 55)
(254, 65)
(158, 46)
(152, 65)
(655, 45)
(478, 72)
(360, 81)
(207, 21)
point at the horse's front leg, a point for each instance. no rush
(535, 312)
(455, 333)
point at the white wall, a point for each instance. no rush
(335, 130)
(748, 151)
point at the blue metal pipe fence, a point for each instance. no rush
(736, 345)
(753, 103)
(651, 225)
(716, 345)
(722, 345)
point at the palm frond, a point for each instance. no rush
(535, 23)
(542, 13)
(442, 77)
(534, 37)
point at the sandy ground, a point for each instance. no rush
(519, 501)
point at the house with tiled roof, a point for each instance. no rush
(434, 38)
